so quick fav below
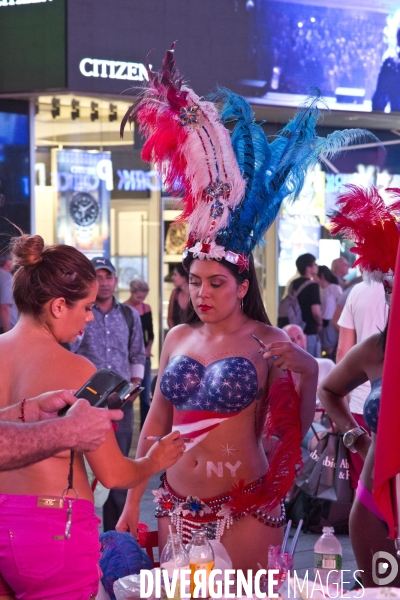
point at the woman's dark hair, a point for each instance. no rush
(253, 305)
(181, 270)
(47, 272)
(327, 274)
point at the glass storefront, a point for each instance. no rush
(94, 192)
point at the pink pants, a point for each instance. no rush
(36, 561)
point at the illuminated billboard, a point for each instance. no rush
(270, 51)
(14, 169)
(349, 52)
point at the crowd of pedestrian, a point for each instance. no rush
(328, 45)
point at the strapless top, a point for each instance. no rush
(225, 386)
(371, 405)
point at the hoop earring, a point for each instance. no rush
(241, 304)
(191, 303)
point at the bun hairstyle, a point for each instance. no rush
(27, 250)
(44, 273)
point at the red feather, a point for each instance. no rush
(363, 216)
(283, 422)
(143, 532)
(164, 87)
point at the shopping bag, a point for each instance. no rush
(342, 484)
(311, 464)
(321, 480)
(330, 477)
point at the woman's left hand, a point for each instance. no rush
(290, 357)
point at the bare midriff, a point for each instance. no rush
(230, 452)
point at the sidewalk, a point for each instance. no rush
(304, 556)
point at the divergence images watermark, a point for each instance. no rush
(380, 565)
(231, 583)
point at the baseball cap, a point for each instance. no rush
(99, 262)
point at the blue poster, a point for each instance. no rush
(84, 181)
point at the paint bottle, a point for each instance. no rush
(201, 556)
(173, 559)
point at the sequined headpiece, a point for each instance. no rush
(232, 182)
(362, 215)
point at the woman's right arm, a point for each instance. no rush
(158, 422)
(155, 425)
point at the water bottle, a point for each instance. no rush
(201, 556)
(328, 557)
(174, 558)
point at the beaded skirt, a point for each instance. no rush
(212, 514)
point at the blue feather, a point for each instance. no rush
(273, 171)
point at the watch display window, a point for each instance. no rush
(130, 268)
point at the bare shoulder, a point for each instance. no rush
(146, 308)
(177, 333)
(79, 367)
(371, 347)
(269, 334)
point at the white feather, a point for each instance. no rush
(209, 155)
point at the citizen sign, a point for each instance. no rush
(113, 69)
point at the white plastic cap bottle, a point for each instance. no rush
(328, 557)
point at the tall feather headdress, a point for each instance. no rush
(233, 183)
(361, 215)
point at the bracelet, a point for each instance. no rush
(22, 415)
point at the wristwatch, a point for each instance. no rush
(350, 437)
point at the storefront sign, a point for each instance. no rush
(83, 181)
(138, 181)
(113, 69)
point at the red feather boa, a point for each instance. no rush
(363, 216)
(283, 422)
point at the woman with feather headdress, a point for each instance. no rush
(363, 217)
(217, 386)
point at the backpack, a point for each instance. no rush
(289, 308)
(128, 316)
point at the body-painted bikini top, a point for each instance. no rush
(227, 385)
(371, 405)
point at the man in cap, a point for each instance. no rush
(114, 340)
